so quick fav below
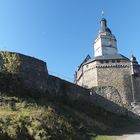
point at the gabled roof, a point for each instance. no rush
(88, 57)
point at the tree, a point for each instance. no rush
(10, 62)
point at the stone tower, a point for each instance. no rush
(105, 43)
(110, 68)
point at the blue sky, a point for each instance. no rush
(62, 32)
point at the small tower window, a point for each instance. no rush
(113, 61)
(118, 61)
(101, 62)
(106, 61)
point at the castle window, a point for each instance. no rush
(86, 66)
(102, 62)
(118, 61)
(113, 61)
(106, 61)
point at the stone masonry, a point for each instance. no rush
(33, 72)
(35, 76)
(109, 68)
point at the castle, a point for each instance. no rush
(109, 80)
(109, 68)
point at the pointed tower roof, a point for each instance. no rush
(103, 26)
(133, 59)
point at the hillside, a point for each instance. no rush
(31, 115)
(57, 113)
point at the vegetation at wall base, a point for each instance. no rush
(32, 115)
(27, 114)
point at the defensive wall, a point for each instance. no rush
(35, 76)
(118, 75)
(59, 87)
(33, 71)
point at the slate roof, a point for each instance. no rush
(106, 57)
(114, 56)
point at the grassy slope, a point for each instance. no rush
(28, 115)
(48, 118)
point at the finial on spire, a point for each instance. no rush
(102, 14)
(132, 52)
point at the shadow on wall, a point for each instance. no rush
(60, 87)
(79, 100)
(108, 92)
(82, 99)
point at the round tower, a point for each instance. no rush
(135, 69)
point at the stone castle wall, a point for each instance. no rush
(33, 72)
(35, 75)
(110, 93)
(136, 88)
(116, 74)
(62, 88)
(89, 75)
(118, 77)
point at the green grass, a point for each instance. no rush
(52, 119)
(33, 121)
(105, 138)
(31, 115)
